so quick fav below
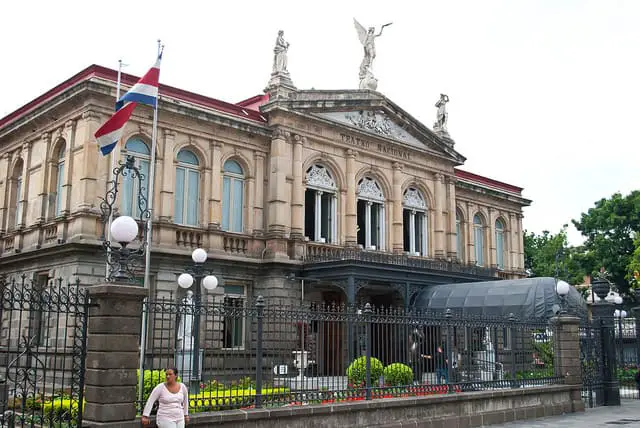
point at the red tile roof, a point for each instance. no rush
(127, 79)
(469, 176)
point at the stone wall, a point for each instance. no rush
(456, 410)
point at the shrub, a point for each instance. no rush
(357, 370)
(60, 409)
(398, 374)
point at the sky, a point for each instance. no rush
(544, 94)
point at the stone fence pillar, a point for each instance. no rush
(566, 331)
(113, 340)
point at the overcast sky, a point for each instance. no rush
(544, 94)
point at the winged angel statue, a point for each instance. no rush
(368, 40)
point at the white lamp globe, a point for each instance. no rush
(210, 282)
(185, 280)
(616, 313)
(618, 300)
(124, 229)
(610, 297)
(562, 288)
(199, 255)
(623, 314)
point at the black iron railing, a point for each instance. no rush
(263, 354)
(359, 255)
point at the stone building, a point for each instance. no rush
(341, 187)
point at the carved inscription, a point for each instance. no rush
(386, 149)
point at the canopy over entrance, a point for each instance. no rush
(525, 298)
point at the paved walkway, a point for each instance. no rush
(627, 415)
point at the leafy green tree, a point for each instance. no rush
(550, 255)
(610, 228)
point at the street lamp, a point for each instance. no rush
(196, 275)
(562, 288)
(123, 260)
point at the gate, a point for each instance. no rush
(627, 341)
(43, 335)
(592, 362)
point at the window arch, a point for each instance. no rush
(370, 214)
(232, 197)
(415, 222)
(478, 232)
(500, 243)
(187, 188)
(59, 177)
(320, 205)
(459, 236)
(137, 148)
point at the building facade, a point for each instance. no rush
(343, 189)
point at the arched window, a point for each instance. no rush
(187, 189)
(232, 197)
(478, 232)
(320, 205)
(130, 186)
(16, 194)
(500, 244)
(60, 178)
(459, 237)
(415, 223)
(370, 214)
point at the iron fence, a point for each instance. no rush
(42, 352)
(627, 341)
(257, 354)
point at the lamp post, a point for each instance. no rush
(196, 275)
(122, 260)
(602, 314)
(562, 288)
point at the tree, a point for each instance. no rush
(550, 255)
(610, 228)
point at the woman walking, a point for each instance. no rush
(173, 400)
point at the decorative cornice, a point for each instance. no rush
(90, 115)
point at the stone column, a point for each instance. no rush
(513, 241)
(491, 230)
(70, 137)
(113, 339)
(452, 239)
(5, 190)
(397, 237)
(567, 362)
(297, 197)
(168, 176)
(439, 247)
(250, 202)
(24, 194)
(46, 180)
(90, 156)
(215, 199)
(520, 242)
(471, 254)
(351, 236)
(258, 208)
(278, 217)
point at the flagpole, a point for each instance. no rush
(113, 166)
(147, 264)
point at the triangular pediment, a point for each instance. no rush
(368, 112)
(375, 122)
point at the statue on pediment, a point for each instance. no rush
(442, 116)
(368, 40)
(280, 54)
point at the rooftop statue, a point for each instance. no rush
(368, 40)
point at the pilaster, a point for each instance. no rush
(439, 247)
(452, 239)
(168, 175)
(70, 137)
(297, 197)
(5, 190)
(24, 194)
(88, 179)
(215, 201)
(350, 231)
(397, 237)
(46, 181)
(258, 208)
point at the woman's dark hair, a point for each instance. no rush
(173, 369)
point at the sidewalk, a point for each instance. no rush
(627, 415)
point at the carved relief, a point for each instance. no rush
(413, 199)
(368, 188)
(318, 176)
